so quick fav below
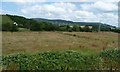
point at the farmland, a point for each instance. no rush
(55, 41)
(60, 51)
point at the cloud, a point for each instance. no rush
(95, 12)
(23, 1)
(1, 10)
(109, 18)
(57, 10)
(27, 2)
(102, 0)
(59, 0)
(100, 6)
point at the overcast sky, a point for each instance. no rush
(105, 11)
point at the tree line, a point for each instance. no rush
(45, 26)
(33, 25)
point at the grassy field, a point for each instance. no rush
(54, 41)
(60, 51)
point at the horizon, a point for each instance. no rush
(47, 18)
(58, 19)
(94, 11)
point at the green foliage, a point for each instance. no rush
(116, 30)
(18, 19)
(62, 60)
(76, 28)
(9, 27)
(65, 28)
(33, 25)
(111, 54)
(6, 27)
(48, 26)
(7, 24)
(36, 27)
(111, 59)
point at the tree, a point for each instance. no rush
(63, 28)
(76, 28)
(48, 26)
(6, 26)
(9, 27)
(36, 27)
(67, 27)
(14, 28)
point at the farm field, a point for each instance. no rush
(60, 51)
(44, 36)
(54, 41)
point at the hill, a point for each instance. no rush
(65, 22)
(22, 21)
(5, 19)
(39, 24)
(7, 22)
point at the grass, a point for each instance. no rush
(5, 19)
(55, 41)
(23, 30)
(60, 51)
(62, 60)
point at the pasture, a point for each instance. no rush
(32, 42)
(60, 51)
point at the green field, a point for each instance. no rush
(60, 51)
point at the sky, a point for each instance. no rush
(104, 11)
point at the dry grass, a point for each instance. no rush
(46, 41)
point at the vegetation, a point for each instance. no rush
(79, 50)
(65, 51)
(63, 60)
(8, 24)
(44, 25)
(73, 49)
(31, 42)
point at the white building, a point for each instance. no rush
(15, 23)
(71, 26)
(90, 27)
(82, 26)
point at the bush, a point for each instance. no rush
(9, 27)
(62, 60)
(36, 27)
(110, 59)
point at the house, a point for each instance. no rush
(15, 23)
(71, 26)
(90, 27)
(113, 28)
(82, 26)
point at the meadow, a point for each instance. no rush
(60, 51)
(14, 42)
